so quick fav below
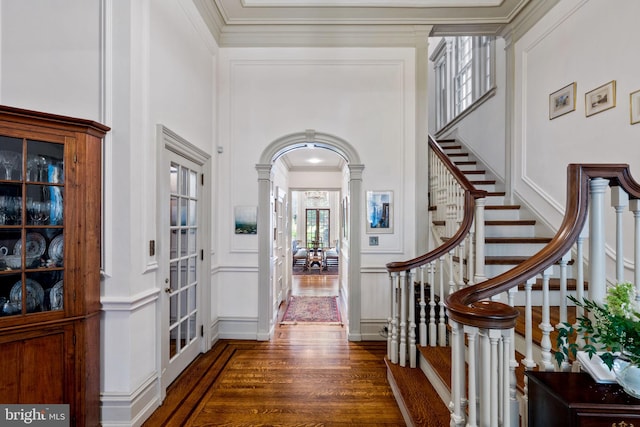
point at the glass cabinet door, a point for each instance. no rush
(31, 226)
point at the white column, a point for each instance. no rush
(597, 279)
(355, 242)
(265, 290)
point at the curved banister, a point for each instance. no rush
(470, 306)
(470, 194)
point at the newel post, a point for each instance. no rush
(597, 279)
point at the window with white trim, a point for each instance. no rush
(464, 72)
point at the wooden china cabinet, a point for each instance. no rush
(50, 212)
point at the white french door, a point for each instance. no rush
(181, 264)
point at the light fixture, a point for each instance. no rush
(314, 160)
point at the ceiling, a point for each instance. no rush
(356, 22)
(316, 159)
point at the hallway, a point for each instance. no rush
(307, 375)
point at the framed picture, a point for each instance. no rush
(634, 100)
(562, 101)
(600, 99)
(246, 219)
(379, 212)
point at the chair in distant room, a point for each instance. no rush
(332, 256)
(300, 255)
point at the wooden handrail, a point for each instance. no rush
(470, 306)
(470, 195)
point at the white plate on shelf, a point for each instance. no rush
(56, 248)
(36, 245)
(35, 294)
(56, 296)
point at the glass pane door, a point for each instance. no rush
(317, 228)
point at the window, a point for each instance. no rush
(464, 72)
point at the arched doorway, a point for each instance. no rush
(309, 138)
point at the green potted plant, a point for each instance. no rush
(610, 329)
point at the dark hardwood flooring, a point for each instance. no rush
(307, 375)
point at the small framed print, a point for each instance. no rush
(562, 101)
(634, 100)
(379, 212)
(600, 99)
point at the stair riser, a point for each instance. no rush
(476, 176)
(467, 167)
(509, 231)
(494, 200)
(512, 249)
(555, 298)
(492, 270)
(501, 214)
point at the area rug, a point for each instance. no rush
(303, 309)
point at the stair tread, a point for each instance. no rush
(512, 240)
(500, 207)
(483, 182)
(465, 162)
(510, 222)
(452, 147)
(419, 398)
(474, 172)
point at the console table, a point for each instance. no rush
(567, 399)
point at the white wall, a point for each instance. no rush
(364, 96)
(590, 43)
(131, 65)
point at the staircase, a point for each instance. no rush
(512, 235)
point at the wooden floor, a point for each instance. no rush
(307, 375)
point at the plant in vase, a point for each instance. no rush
(610, 329)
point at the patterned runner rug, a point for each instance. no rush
(302, 309)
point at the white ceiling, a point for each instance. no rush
(317, 159)
(355, 22)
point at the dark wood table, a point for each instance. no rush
(566, 399)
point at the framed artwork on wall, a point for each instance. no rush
(634, 100)
(379, 212)
(246, 219)
(562, 101)
(600, 99)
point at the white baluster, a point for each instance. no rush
(634, 206)
(457, 414)
(480, 238)
(452, 283)
(394, 318)
(471, 257)
(423, 314)
(485, 378)
(390, 318)
(494, 339)
(564, 261)
(432, 305)
(619, 201)
(528, 324)
(403, 320)
(597, 272)
(472, 333)
(545, 325)
(412, 319)
(442, 327)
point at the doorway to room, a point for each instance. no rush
(272, 177)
